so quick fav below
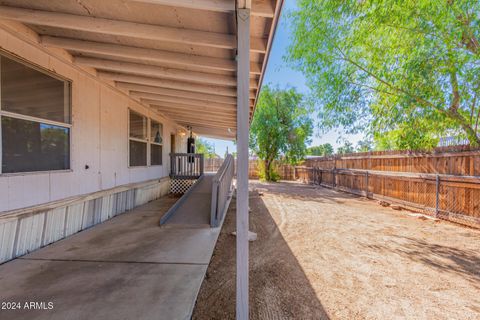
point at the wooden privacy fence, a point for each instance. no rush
(442, 183)
(212, 164)
(440, 161)
(445, 185)
(286, 172)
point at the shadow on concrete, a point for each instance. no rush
(125, 268)
(279, 288)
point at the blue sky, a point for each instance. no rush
(279, 74)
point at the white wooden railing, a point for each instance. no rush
(221, 190)
(186, 165)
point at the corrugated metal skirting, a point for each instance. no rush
(34, 229)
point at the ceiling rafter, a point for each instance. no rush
(146, 54)
(125, 28)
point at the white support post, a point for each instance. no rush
(243, 66)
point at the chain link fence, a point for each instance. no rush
(454, 198)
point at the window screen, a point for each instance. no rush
(156, 135)
(138, 142)
(156, 155)
(138, 126)
(145, 141)
(34, 119)
(156, 141)
(138, 153)
(33, 146)
(29, 92)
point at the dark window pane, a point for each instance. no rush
(156, 155)
(156, 132)
(31, 146)
(138, 126)
(138, 153)
(33, 93)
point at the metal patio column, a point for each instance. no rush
(243, 106)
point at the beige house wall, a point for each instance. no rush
(99, 134)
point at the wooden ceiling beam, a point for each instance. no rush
(176, 94)
(190, 108)
(125, 28)
(146, 54)
(206, 116)
(216, 120)
(192, 120)
(183, 106)
(156, 71)
(205, 130)
(169, 84)
(209, 5)
(216, 130)
(262, 8)
(182, 101)
(214, 117)
(209, 133)
(253, 83)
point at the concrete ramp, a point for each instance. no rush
(194, 207)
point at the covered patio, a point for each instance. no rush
(125, 268)
(122, 84)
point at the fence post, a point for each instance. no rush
(437, 197)
(366, 184)
(334, 183)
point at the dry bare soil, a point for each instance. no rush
(322, 254)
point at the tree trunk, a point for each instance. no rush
(471, 134)
(268, 164)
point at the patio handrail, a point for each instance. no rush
(221, 190)
(186, 165)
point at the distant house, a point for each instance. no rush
(452, 141)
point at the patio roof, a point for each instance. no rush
(176, 56)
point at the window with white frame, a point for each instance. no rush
(138, 139)
(156, 142)
(145, 141)
(35, 121)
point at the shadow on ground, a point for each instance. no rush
(279, 288)
(442, 257)
(300, 191)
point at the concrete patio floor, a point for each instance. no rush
(125, 268)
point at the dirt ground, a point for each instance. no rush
(322, 254)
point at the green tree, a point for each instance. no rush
(416, 135)
(383, 64)
(281, 128)
(364, 145)
(323, 150)
(205, 147)
(346, 148)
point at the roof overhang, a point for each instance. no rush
(175, 56)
